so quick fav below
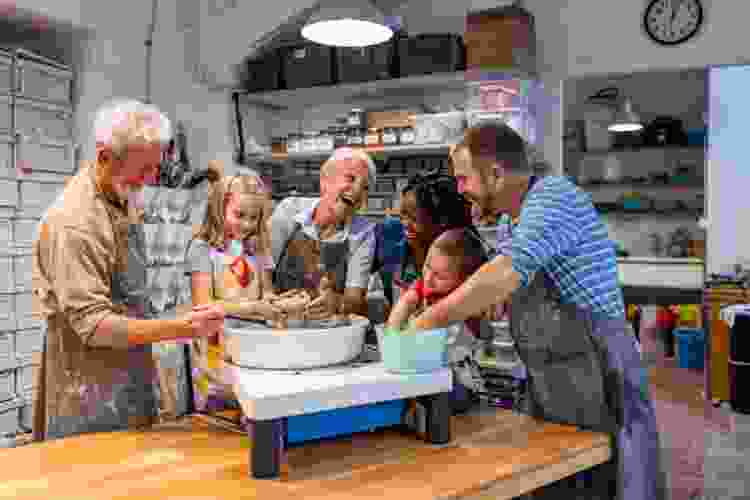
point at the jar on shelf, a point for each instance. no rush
(278, 145)
(310, 142)
(356, 136)
(293, 143)
(373, 137)
(341, 136)
(356, 118)
(326, 140)
(407, 135)
(390, 136)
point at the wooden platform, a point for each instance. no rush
(494, 454)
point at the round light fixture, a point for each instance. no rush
(347, 33)
(626, 120)
(348, 23)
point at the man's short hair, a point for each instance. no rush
(127, 122)
(497, 141)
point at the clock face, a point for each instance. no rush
(670, 22)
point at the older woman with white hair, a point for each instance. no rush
(313, 238)
(97, 371)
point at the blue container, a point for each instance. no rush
(414, 352)
(696, 137)
(691, 345)
(345, 421)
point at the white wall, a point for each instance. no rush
(112, 63)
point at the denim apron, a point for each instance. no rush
(586, 370)
(113, 406)
(304, 260)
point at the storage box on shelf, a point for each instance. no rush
(7, 385)
(7, 351)
(430, 53)
(6, 72)
(7, 169)
(51, 122)
(363, 64)
(308, 65)
(7, 313)
(6, 115)
(9, 417)
(36, 197)
(43, 81)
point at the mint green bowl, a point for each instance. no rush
(420, 352)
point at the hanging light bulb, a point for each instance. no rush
(626, 120)
(348, 23)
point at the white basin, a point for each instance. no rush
(252, 345)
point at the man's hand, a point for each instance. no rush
(325, 306)
(207, 320)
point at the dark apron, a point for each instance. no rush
(586, 371)
(114, 406)
(304, 260)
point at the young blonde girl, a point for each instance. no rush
(229, 263)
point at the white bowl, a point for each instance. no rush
(253, 345)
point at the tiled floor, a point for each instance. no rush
(707, 449)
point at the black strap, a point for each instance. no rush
(284, 251)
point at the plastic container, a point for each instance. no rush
(344, 421)
(414, 352)
(308, 65)
(739, 363)
(691, 344)
(364, 64)
(430, 53)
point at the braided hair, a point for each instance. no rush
(438, 197)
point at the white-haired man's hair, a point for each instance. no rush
(329, 166)
(128, 122)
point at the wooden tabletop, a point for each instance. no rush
(494, 454)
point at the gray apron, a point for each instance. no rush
(586, 370)
(112, 406)
(305, 259)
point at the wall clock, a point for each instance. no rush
(672, 22)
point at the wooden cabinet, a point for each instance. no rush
(717, 374)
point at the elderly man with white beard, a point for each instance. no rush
(321, 240)
(89, 282)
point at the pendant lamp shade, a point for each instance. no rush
(626, 120)
(348, 23)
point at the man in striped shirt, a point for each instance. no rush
(561, 269)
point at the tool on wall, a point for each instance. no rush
(149, 43)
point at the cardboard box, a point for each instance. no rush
(495, 41)
(389, 119)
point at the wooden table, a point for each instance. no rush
(494, 454)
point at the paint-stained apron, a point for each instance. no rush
(132, 397)
(586, 370)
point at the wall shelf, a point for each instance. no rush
(411, 86)
(377, 152)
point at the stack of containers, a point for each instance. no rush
(36, 159)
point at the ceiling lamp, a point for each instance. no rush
(626, 120)
(348, 23)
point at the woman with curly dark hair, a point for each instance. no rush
(430, 204)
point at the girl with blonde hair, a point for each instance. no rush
(229, 262)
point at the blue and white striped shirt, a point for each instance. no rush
(561, 233)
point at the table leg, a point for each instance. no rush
(438, 417)
(269, 441)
